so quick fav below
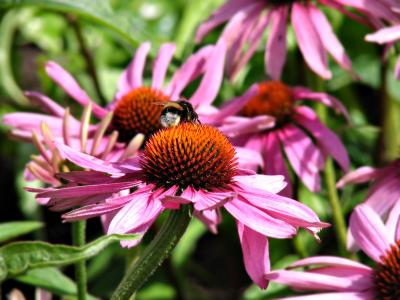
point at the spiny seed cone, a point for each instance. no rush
(136, 112)
(273, 98)
(387, 275)
(189, 155)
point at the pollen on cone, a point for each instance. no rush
(189, 155)
(136, 112)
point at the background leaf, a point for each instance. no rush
(11, 230)
(17, 258)
(99, 11)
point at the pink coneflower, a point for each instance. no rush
(387, 35)
(296, 127)
(248, 19)
(189, 163)
(384, 192)
(340, 278)
(133, 107)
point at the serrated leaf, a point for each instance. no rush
(11, 230)
(99, 11)
(19, 257)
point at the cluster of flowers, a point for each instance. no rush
(233, 157)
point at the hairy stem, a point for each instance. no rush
(78, 237)
(164, 242)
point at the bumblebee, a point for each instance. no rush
(176, 112)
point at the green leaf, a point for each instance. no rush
(8, 26)
(99, 11)
(11, 230)
(17, 258)
(50, 279)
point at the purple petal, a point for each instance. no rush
(374, 8)
(224, 13)
(210, 218)
(275, 54)
(368, 295)
(255, 254)
(136, 213)
(304, 157)
(258, 220)
(212, 200)
(361, 175)
(161, 64)
(72, 88)
(232, 107)
(235, 126)
(87, 161)
(248, 159)
(189, 71)
(311, 281)
(309, 41)
(329, 260)
(393, 222)
(212, 79)
(45, 103)
(326, 138)
(300, 92)
(369, 232)
(328, 37)
(274, 162)
(268, 183)
(385, 35)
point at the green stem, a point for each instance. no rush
(338, 216)
(164, 242)
(78, 237)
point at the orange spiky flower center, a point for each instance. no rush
(136, 112)
(189, 154)
(387, 275)
(274, 99)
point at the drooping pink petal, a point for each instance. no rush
(133, 75)
(72, 88)
(224, 13)
(385, 35)
(393, 222)
(328, 37)
(87, 190)
(248, 159)
(309, 41)
(330, 261)
(212, 200)
(369, 232)
(210, 217)
(233, 106)
(255, 254)
(374, 8)
(274, 162)
(275, 53)
(212, 79)
(304, 157)
(361, 175)
(269, 183)
(253, 41)
(161, 64)
(86, 161)
(300, 92)
(258, 220)
(136, 213)
(236, 126)
(85, 177)
(312, 281)
(285, 209)
(193, 67)
(45, 103)
(367, 295)
(384, 189)
(326, 138)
